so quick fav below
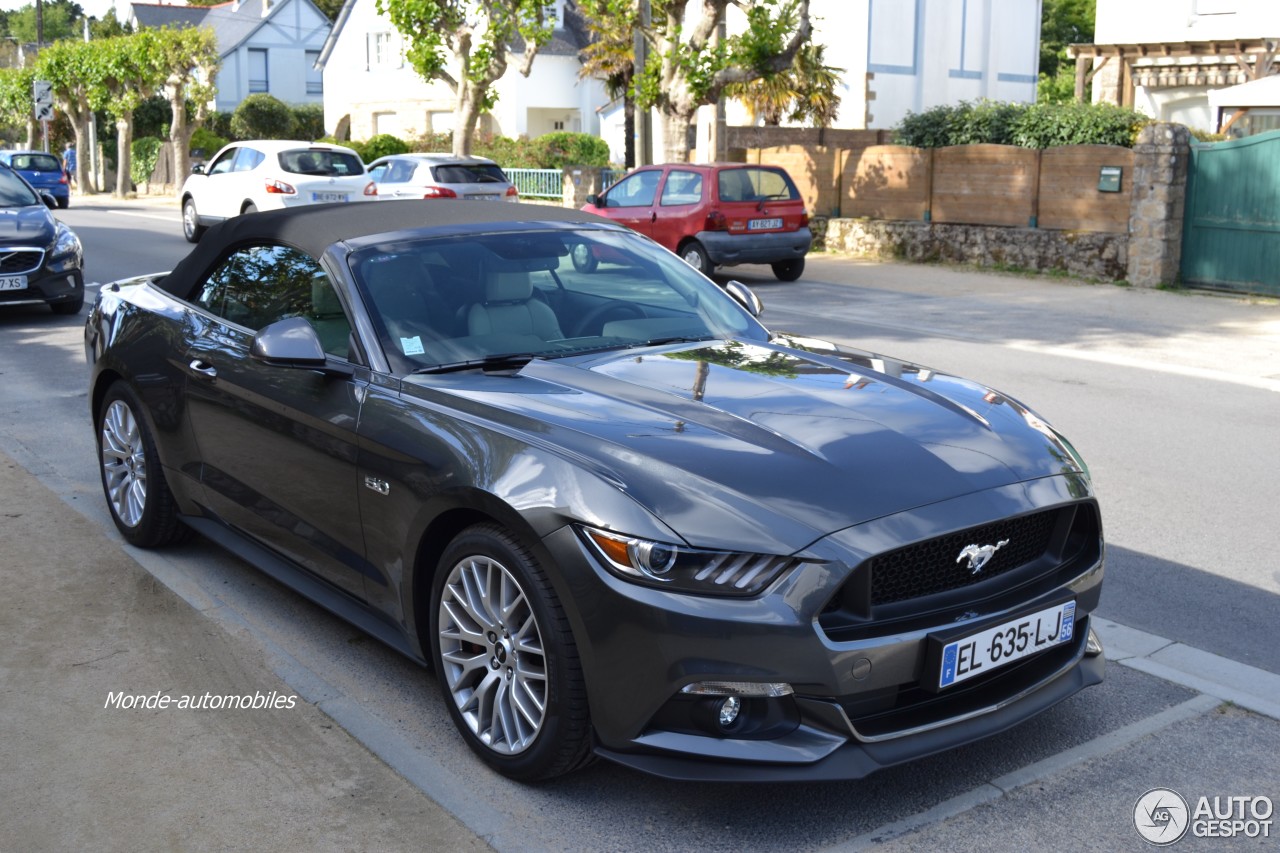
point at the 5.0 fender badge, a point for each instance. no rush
(979, 556)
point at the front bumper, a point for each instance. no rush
(727, 249)
(862, 699)
(45, 288)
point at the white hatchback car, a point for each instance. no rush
(441, 176)
(271, 174)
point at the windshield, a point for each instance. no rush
(320, 161)
(453, 302)
(468, 173)
(14, 192)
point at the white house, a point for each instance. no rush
(1164, 57)
(266, 45)
(368, 83)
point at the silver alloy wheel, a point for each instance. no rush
(124, 463)
(693, 257)
(492, 655)
(189, 223)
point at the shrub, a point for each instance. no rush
(432, 143)
(206, 141)
(219, 124)
(144, 153)
(1044, 125)
(308, 121)
(563, 148)
(380, 146)
(261, 116)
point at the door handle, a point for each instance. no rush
(203, 368)
(653, 216)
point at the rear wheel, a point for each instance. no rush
(68, 308)
(506, 658)
(141, 504)
(191, 227)
(250, 208)
(64, 203)
(788, 270)
(696, 256)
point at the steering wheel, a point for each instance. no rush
(595, 318)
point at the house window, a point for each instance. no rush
(384, 50)
(557, 125)
(258, 80)
(315, 78)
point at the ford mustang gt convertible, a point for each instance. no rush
(615, 514)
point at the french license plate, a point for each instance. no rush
(763, 224)
(324, 197)
(13, 282)
(993, 648)
(483, 197)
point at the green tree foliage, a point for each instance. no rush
(382, 145)
(262, 116)
(1062, 23)
(1026, 125)
(61, 20)
(69, 66)
(472, 37)
(206, 142)
(308, 121)
(145, 154)
(16, 109)
(108, 26)
(558, 150)
(122, 74)
(187, 63)
(805, 92)
(689, 65)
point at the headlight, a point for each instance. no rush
(682, 569)
(65, 242)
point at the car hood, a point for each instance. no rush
(735, 442)
(28, 226)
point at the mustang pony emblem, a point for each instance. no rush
(980, 556)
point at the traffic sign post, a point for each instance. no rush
(42, 95)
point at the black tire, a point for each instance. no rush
(584, 260)
(147, 516)
(191, 227)
(695, 256)
(250, 208)
(64, 203)
(484, 701)
(788, 270)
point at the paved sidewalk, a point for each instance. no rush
(81, 620)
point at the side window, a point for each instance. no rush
(401, 171)
(682, 188)
(378, 172)
(247, 158)
(635, 190)
(259, 285)
(223, 163)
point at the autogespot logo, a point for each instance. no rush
(1161, 816)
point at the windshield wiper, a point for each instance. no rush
(674, 339)
(499, 361)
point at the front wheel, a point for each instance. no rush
(584, 259)
(789, 270)
(141, 504)
(696, 256)
(506, 658)
(191, 227)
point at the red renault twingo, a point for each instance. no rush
(713, 214)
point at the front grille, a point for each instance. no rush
(927, 568)
(20, 261)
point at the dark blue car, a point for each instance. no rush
(43, 171)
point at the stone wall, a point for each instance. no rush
(1161, 158)
(1083, 253)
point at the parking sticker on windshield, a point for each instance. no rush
(412, 346)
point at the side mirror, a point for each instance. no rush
(594, 200)
(197, 169)
(49, 201)
(745, 297)
(291, 342)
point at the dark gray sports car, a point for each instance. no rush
(615, 514)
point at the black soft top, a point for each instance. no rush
(315, 228)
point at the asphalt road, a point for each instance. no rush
(1172, 399)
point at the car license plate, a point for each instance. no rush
(763, 224)
(324, 197)
(993, 648)
(483, 197)
(13, 282)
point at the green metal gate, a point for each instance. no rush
(1231, 233)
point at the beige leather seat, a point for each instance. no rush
(510, 308)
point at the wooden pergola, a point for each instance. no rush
(1226, 51)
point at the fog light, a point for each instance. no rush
(1092, 645)
(729, 709)
(738, 688)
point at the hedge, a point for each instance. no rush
(1042, 125)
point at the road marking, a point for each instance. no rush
(170, 218)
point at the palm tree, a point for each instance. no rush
(611, 57)
(805, 92)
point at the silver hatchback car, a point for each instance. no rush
(401, 176)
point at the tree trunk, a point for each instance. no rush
(629, 130)
(675, 137)
(32, 124)
(180, 131)
(124, 146)
(83, 184)
(468, 115)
